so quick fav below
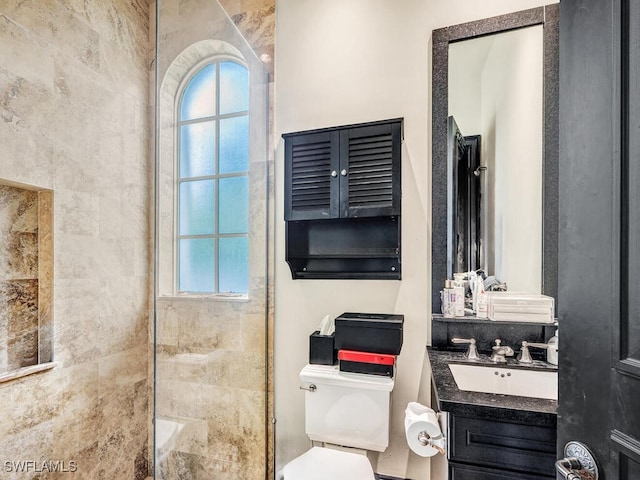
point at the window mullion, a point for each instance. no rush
(243, 113)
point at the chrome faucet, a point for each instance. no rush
(500, 351)
(472, 353)
(525, 355)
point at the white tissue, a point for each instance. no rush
(420, 424)
(327, 325)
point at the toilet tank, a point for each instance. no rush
(348, 409)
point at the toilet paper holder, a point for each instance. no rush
(424, 430)
(426, 440)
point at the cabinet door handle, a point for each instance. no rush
(343, 172)
(334, 174)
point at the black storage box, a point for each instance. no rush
(364, 362)
(369, 332)
(321, 350)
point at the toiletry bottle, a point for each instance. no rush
(448, 299)
(458, 290)
(482, 309)
(552, 349)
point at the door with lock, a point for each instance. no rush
(599, 240)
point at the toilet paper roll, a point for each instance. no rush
(421, 426)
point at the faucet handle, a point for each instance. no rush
(472, 353)
(525, 355)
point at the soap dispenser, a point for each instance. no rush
(552, 349)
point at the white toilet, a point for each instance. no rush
(345, 409)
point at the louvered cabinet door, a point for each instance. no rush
(370, 171)
(312, 176)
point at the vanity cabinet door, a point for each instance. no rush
(472, 472)
(502, 445)
(370, 170)
(312, 163)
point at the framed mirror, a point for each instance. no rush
(495, 150)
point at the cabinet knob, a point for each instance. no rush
(334, 174)
(343, 172)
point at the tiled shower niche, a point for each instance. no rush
(26, 278)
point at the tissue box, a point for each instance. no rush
(369, 332)
(365, 362)
(321, 349)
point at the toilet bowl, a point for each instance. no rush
(327, 464)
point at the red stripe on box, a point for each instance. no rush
(366, 357)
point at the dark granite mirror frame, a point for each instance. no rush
(549, 17)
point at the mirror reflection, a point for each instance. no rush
(495, 157)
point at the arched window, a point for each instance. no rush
(212, 244)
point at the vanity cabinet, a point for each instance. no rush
(488, 449)
(343, 201)
(343, 172)
(493, 436)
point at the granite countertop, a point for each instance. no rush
(449, 398)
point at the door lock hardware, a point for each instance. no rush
(578, 463)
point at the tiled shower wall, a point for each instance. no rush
(73, 104)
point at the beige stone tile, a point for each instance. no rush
(19, 209)
(77, 298)
(19, 324)
(254, 333)
(75, 256)
(24, 55)
(76, 212)
(95, 336)
(167, 324)
(209, 329)
(20, 415)
(25, 158)
(77, 391)
(52, 23)
(122, 369)
(73, 171)
(75, 341)
(36, 439)
(123, 23)
(18, 232)
(45, 275)
(257, 26)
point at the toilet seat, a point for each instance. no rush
(324, 463)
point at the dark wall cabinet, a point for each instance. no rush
(343, 201)
(486, 449)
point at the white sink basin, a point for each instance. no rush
(506, 381)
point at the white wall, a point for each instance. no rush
(466, 62)
(337, 63)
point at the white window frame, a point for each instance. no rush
(217, 59)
